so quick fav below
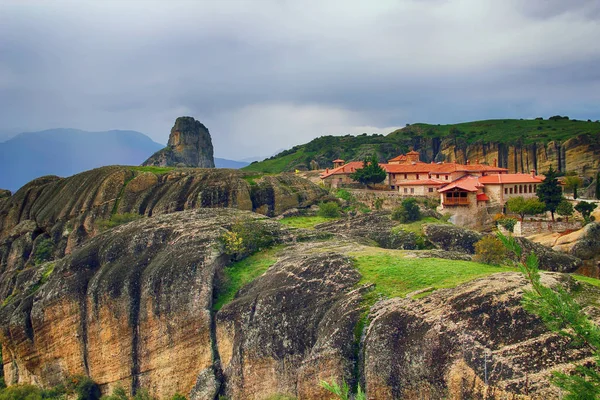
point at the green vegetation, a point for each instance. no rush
(587, 279)
(343, 392)
(304, 222)
(549, 192)
(407, 212)
(417, 226)
(76, 387)
(572, 182)
(116, 220)
(598, 186)
(245, 237)
(521, 206)
(350, 148)
(507, 223)
(243, 272)
(154, 170)
(586, 209)
(329, 209)
(43, 251)
(564, 209)
(396, 276)
(370, 173)
(561, 314)
(490, 250)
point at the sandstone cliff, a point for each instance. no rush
(189, 145)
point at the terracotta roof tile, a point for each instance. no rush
(468, 183)
(426, 182)
(509, 178)
(482, 197)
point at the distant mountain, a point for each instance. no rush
(65, 152)
(224, 163)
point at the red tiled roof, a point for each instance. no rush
(412, 152)
(482, 197)
(468, 183)
(425, 182)
(401, 157)
(509, 178)
(338, 160)
(344, 169)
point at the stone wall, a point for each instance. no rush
(528, 228)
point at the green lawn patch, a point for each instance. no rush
(154, 170)
(304, 222)
(243, 272)
(395, 276)
(417, 226)
(587, 279)
(278, 164)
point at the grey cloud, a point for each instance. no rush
(281, 73)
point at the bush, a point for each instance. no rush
(143, 394)
(178, 396)
(507, 223)
(246, 237)
(407, 212)
(116, 220)
(43, 251)
(118, 394)
(345, 195)
(329, 209)
(378, 203)
(490, 250)
(84, 387)
(21, 392)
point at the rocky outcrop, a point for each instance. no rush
(549, 259)
(436, 347)
(68, 210)
(133, 306)
(189, 145)
(4, 193)
(452, 238)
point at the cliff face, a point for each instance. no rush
(189, 145)
(580, 154)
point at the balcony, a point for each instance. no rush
(456, 201)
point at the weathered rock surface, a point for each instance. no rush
(291, 328)
(549, 259)
(4, 193)
(132, 307)
(452, 238)
(435, 347)
(189, 145)
(67, 210)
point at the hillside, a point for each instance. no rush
(519, 145)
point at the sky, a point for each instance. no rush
(266, 75)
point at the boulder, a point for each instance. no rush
(189, 145)
(452, 238)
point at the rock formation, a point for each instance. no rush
(189, 145)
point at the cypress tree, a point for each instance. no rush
(549, 192)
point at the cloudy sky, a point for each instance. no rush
(265, 75)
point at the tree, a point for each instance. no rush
(561, 314)
(585, 209)
(407, 212)
(490, 250)
(370, 173)
(522, 206)
(549, 192)
(565, 209)
(572, 182)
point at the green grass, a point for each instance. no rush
(396, 276)
(243, 272)
(305, 222)
(154, 170)
(417, 226)
(277, 165)
(587, 279)
(116, 220)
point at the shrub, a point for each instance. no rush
(246, 236)
(118, 394)
(507, 223)
(378, 203)
(84, 387)
(565, 209)
(178, 396)
(329, 210)
(343, 392)
(407, 212)
(143, 394)
(345, 195)
(116, 220)
(43, 251)
(21, 392)
(585, 209)
(490, 250)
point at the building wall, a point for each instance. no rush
(420, 190)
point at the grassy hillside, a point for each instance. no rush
(327, 148)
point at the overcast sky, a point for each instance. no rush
(265, 75)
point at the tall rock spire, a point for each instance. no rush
(189, 145)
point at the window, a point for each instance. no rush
(417, 176)
(430, 190)
(405, 190)
(446, 177)
(412, 190)
(505, 190)
(405, 176)
(530, 189)
(511, 190)
(437, 176)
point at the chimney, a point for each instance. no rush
(326, 170)
(495, 162)
(533, 173)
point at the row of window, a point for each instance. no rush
(418, 176)
(412, 190)
(521, 189)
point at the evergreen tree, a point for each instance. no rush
(549, 192)
(370, 173)
(565, 209)
(585, 209)
(561, 314)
